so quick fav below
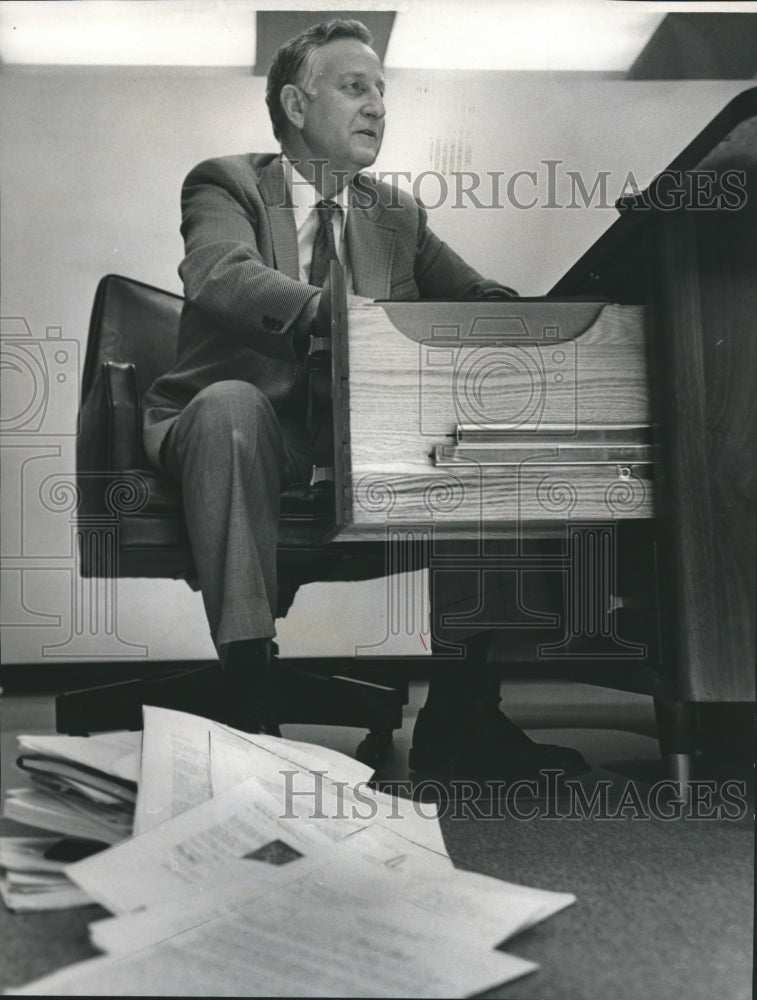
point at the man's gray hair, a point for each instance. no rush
(290, 63)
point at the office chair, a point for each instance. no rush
(130, 524)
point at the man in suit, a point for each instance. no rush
(228, 420)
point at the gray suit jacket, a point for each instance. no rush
(240, 275)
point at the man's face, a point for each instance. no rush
(344, 109)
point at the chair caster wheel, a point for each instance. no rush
(374, 749)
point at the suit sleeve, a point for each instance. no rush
(224, 272)
(440, 273)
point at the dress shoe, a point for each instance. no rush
(480, 742)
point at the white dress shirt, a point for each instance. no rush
(304, 198)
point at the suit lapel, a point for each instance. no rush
(370, 244)
(273, 191)
(370, 240)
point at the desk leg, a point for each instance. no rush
(676, 732)
(374, 749)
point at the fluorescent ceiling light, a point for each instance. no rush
(127, 33)
(512, 35)
(605, 35)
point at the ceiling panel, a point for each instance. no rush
(700, 46)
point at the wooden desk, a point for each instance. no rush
(435, 406)
(687, 247)
(491, 418)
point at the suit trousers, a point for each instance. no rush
(233, 456)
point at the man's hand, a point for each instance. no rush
(496, 293)
(306, 326)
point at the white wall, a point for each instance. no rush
(92, 164)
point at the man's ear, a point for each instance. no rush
(293, 102)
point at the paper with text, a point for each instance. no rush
(215, 840)
(281, 945)
(180, 770)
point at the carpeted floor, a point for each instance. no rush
(665, 906)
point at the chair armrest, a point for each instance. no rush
(110, 422)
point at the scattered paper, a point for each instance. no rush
(263, 866)
(179, 769)
(272, 947)
(196, 850)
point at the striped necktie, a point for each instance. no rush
(324, 246)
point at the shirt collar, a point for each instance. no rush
(305, 196)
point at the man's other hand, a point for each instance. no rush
(496, 293)
(353, 301)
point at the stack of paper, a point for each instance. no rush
(263, 866)
(34, 878)
(83, 788)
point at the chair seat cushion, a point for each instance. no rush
(156, 521)
(299, 502)
(163, 493)
(153, 539)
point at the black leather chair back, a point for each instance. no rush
(135, 323)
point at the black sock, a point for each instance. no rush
(246, 670)
(454, 684)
